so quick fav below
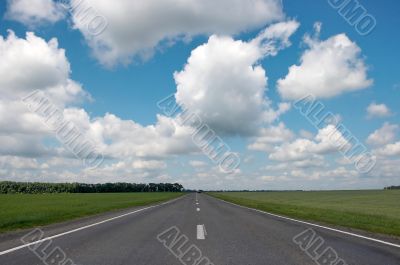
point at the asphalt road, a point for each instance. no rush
(184, 231)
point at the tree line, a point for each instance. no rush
(39, 187)
(392, 188)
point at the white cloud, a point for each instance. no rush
(318, 177)
(197, 163)
(16, 119)
(327, 69)
(126, 138)
(267, 137)
(32, 63)
(300, 149)
(378, 110)
(334, 174)
(27, 64)
(306, 134)
(33, 13)
(136, 28)
(384, 135)
(149, 164)
(328, 140)
(220, 84)
(274, 178)
(388, 169)
(139, 171)
(23, 145)
(389, 150)
(118, 138)
(270, 114)
(224, 83)
(312, 162)
(315, 162)
(16, 162)
(276, 37)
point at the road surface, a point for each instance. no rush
(217, 233)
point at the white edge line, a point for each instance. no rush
(85, 227)
(315, 225)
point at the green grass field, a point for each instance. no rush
(30, 210)
(374, 211)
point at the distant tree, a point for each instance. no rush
(392, 188)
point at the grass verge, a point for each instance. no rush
(373, 211)
(19, 211)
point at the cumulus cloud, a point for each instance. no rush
(378, 111)
(384, 135)
(328, 140)
(32, 63)
(224, 83)
(327, 68)
(24, 145)
(267, 137)
(117, 138)
(29, 64)
(33, 13)
(121, 138)
(128, 170)
(270, 114)
(297, 150)
(135, 28)
(389, 150)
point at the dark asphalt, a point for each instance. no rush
(234, 235)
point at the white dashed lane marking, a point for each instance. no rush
(201, 232)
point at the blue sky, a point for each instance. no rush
(130, 91)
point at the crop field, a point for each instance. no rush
(375, 211)
(29, 210)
